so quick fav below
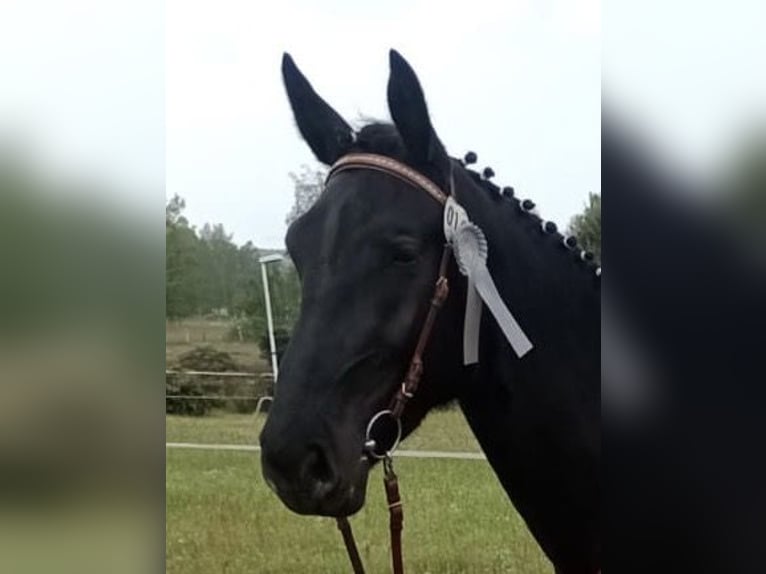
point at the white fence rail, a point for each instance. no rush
(223, 376)
(397, 454)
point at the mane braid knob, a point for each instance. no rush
(507, 192)
(488, 173)
(549, 227)
(570, 242)
(527, 205)
(470, 158)
(586, 256)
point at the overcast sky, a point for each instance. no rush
(518, 82)
(85, 84)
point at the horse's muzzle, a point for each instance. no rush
(308, 480)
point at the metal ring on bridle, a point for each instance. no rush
(374, 449)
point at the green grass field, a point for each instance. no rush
(221, 517)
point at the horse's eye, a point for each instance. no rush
(404, 257)
(405, 252)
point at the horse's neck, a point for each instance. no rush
(554, 297)
(557, 303)
(540, 430)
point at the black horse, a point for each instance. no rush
(367, 253)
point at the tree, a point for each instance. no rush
(308, 186)
(285, 292)
(587, 226)
(173, 211)
(206, 272)
(203, 269)
(181, 262)
(218, 257)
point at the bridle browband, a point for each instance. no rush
(397, 169)
(389, 166)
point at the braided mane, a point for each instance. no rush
(383, 138)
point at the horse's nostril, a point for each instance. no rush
(317, 467)
(304, 475)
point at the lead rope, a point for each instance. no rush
(395, 514)
(405, 392)
(351, 549)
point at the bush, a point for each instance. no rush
(208, 359)
(187, 386)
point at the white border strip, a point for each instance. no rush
(399, 453)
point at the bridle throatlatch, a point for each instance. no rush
(470, 254)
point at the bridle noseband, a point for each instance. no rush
(411, 381)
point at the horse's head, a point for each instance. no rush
(367, 254)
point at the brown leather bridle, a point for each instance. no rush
(412, 379)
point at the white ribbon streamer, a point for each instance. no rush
(470, 247)
(472, 322)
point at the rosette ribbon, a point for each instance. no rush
(470, 247)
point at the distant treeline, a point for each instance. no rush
(208, 275)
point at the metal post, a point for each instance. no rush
(272, 344)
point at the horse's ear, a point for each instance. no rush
(327, 134)
(407, 105)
